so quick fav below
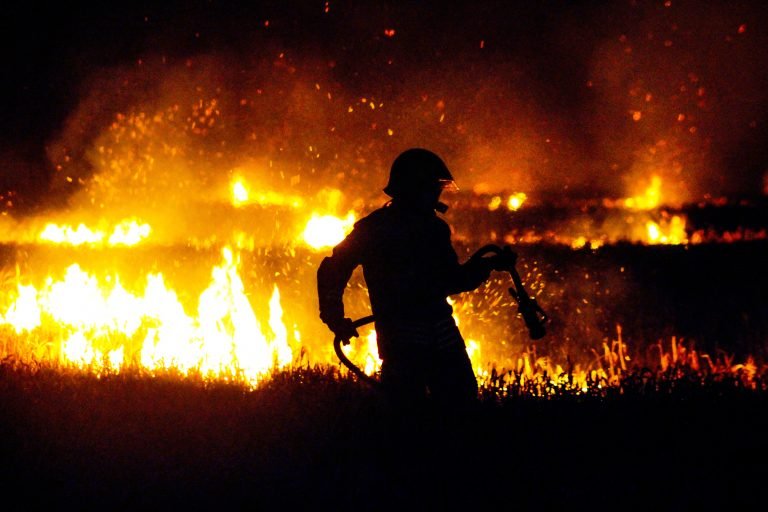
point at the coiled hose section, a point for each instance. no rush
(360, 374)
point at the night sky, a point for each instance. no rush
(576, 97)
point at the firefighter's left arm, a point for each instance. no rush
(465, 276)
(470, 275)
(477, 269)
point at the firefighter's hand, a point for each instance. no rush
(506, 259)
(345, 330)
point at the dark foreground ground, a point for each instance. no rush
(310, 440)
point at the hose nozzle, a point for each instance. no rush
(535, 318)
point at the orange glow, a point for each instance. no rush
(323, 231)
(239, 193)
(95, 323)
(513, 202)
(649, 199)
(126, 233)
(516, 200)
(364, 352)
(671, 232)
(495, 203)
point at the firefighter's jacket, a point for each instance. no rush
(409, 266)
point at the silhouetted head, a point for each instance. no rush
(417, 178)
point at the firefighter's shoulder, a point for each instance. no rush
(374, 227)
(441, 225)
(374, 220)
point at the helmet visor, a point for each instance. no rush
(449, 185)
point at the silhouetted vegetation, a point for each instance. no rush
(311, 437)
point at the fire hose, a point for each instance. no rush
(337, 341)
(534, 317)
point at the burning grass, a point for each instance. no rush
(237, 315)
(679, 370)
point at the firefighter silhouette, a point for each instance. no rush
(410, 268)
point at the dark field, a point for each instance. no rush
(309, 439)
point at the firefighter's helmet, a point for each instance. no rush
(415, 170)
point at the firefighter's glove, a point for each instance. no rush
(344, 329)
(504, 260)
(499, 261)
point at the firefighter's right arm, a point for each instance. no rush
(332, 277)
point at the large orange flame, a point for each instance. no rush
(95, 323)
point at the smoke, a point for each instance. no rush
(678, 91)
(567, 99)
(166, 134)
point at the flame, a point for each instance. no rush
(372, 360)
(513, 203)
(365, 354)
(126, 233)
(473, 351)
(243, 193)
(129, 233)
(97, 323)
(323, 231)
(582, 241)
(632, 219)
(516, 200)
(24, 313)
(670, 232)
(649, 199)
(239, 193)
(68, 235)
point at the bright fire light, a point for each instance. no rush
(239, 193)
(127, 233)
(67, 235)
(325, 231)
(516, 200)
(242, 193)
(670, 232)
(650, 199)
(96, 323)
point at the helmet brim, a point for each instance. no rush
(449, 185)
